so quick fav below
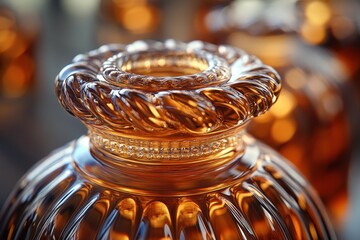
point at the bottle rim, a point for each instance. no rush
(230, 88)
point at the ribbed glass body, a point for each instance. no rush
(166, 155)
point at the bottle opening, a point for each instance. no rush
(163, 64)
(106, 89)
(166, 69)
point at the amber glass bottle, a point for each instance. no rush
(17, 55)
(126, 21)
(166, 155)
(335, 28)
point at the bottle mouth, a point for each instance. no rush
(163, 63)
(167, 88)
(165, 69)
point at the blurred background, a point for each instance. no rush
(314, 44)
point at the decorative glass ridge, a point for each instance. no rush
(171, 149)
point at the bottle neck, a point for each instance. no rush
(168, 166)
(116, 148)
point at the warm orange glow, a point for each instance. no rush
(317, 13)
(342, 27)
(313, 34)
(273, 50)
(295, 78)
(7, 39)
(17, 76)
(119, 235)
(17, 64)
(6, 22)
(266, 118)
(140, 18)
(7, 33)
(262, 228)
(127, 208)
(295, 152)
(338, 207)
(14, 81)
(158, 214)
(302, 202)
(297, 226)
(283, 130)
(285, 105)
(260, 126)
(19, 47)
(313, 231)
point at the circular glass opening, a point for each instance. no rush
(163, 63)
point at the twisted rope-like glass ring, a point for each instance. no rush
(116, 88)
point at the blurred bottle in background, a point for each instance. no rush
(18, 42)
(310, 124)
(125, 21)
(17, 55)
(334, 25)
(209, 19)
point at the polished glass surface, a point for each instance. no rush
(166, 161)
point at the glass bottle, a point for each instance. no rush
(166, 155)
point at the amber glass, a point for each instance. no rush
(310, 125)
(17, 64)
(166, 155)
(335, 28)
(128, 20)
